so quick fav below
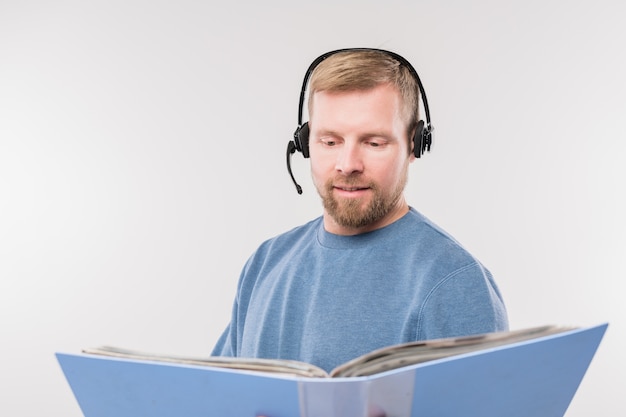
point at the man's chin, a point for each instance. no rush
(349, 207)
(352, 217)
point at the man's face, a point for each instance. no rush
(359, 158)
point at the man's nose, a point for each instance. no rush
(349, 159)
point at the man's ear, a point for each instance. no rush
(412, 144)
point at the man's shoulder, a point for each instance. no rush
(434, 239)
(423, 227)
(304, 232)
(283, 247)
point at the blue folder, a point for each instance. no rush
(535, 378)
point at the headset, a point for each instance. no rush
(422, 139)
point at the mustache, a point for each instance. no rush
(350, 181)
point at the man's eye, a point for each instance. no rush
(329, 142)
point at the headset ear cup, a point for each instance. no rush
(301, 139)
(418, 139)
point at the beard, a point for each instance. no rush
(356, 213)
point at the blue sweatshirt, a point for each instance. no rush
(324, 299)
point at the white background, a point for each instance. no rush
(142, 160)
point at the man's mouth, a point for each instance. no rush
(352, 188)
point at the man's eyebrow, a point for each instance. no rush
(384, 135)
(379, 134)
(365, 135)
(327, 132)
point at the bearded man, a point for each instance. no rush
(371, 271)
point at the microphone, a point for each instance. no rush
(291, 149)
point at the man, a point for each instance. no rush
(371, 271)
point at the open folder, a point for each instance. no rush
(536, 377)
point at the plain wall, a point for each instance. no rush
(142, 160)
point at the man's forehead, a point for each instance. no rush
(382, 106)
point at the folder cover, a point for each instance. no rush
(535, 378)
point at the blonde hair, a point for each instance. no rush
(355, 70)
